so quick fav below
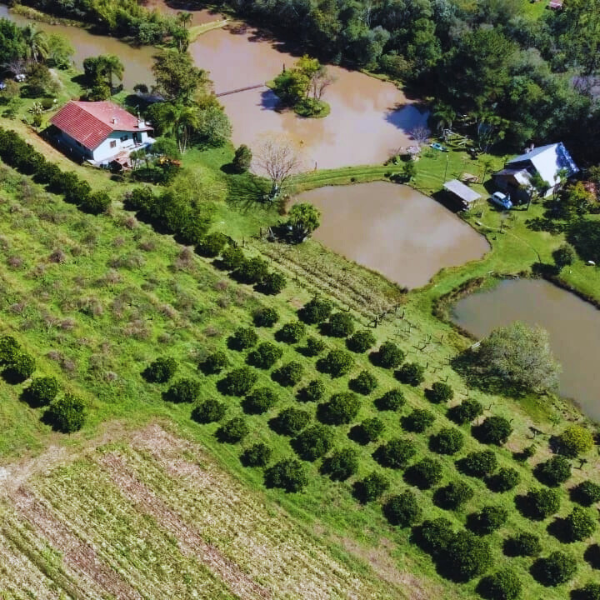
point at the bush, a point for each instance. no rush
(369, 430)
(522, 544)
(259, 401)
(242, 159)
(339, 325)
(424, 474)
(494, 430)
(341, 465)
(403, 510)
(315, 311)
(290, 421)
(161, 370)
(554, 471)
(392, 400)
(396, 454)
(21, 368)
(418, 420)
(9, 348)
(209, 411)
(265, 355)
(289, 374)
(564, 256)
(388, 356)
(67, 414)
(314, 347)
(265, 317)
(501, 585)
(291, 333)
(433, 536)
(233, 431)
(465, 412)
(251, 271)
(410, 374)
(257, 455)
(590, 591)
(478, 464)
(578, 525)
(555, 569)
(574, 440)
(364, 383)
(214, 363)
(439, 393)
(586, 493)
(42, 391)
(184, 390)
(453, 495)
(504, 480)
(487, 520)
(238, 382)
(341, 409)
(312, 392)
(271, 284)
(592, 556)
(361, 341)
(243, 338)
(466, 556)
(370, 488)
(527, 453)
(212, 245)
(337, 363)
(447, 441)
(288, 474)
(95, 203)
(313, 443)
(232, 258)
(540, 504)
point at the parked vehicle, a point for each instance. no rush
(501, 200)
(439, 147)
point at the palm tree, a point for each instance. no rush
(184, 19)
(111, 66)
(36, 41)
(444, 116)
(181, 121)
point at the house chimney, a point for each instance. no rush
(115, 120)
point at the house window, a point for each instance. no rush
(124, 138)
(113, 144)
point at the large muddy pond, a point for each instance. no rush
(574, 327)
(393, 229)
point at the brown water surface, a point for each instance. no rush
(574, 327)
(393, 229)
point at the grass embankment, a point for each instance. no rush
(197, 30)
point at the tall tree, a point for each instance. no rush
(177, 78)
(36, 42)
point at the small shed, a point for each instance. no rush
(465, 194)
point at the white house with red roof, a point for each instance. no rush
(101, 132)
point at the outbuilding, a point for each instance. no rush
(462, 192)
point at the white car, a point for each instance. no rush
(501, 200)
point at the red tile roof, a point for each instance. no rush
(90, 123)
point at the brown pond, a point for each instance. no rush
(393, 229)
(574, 327)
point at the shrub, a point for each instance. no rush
(259, 401)
(368, 431)
(447, 441)
(243, 338)
(487, 520)
(466, 556)
(289, 374)
(403, 509)
(339, 325)
(232, 258)
(439, 393)
(522, 544)
(590, 591)
(314, 347)
(500, 585)
(418, 420)
(291, 333)
(453, 495)
(233, 431)
(290, 421)
(586, 493)
(392, 400)
(95, 203)
(478, 464)
(424, 474)
(312, 392)
(370, 488)
(554, 471)
(574, 440)
(361, 341)
(161, 370)
(242, 159)
(388, 356)
(315, 311)
(238, 382)
(265, 355)
(214, 363)
(592, 556)
(540, 504)
(313, 443)
(504, 480)
(578, 525)
(494, 430)
(211, 245)
(21, 368)
(265, 317)
(337, 363)
(9, 348)
(433, 536)
(272, 284)
(341, 409)
(465, 412)
(258, 455)
(396, 454)
(184, 390)
(288, 474)
(341, 465)
(554, 569)
(364, 383)
(411, 374)
(251, 271)
(67, 414)
(42, 391)
(527, 453)
(209, 411)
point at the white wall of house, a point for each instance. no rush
(116, 142)
(80, 149)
